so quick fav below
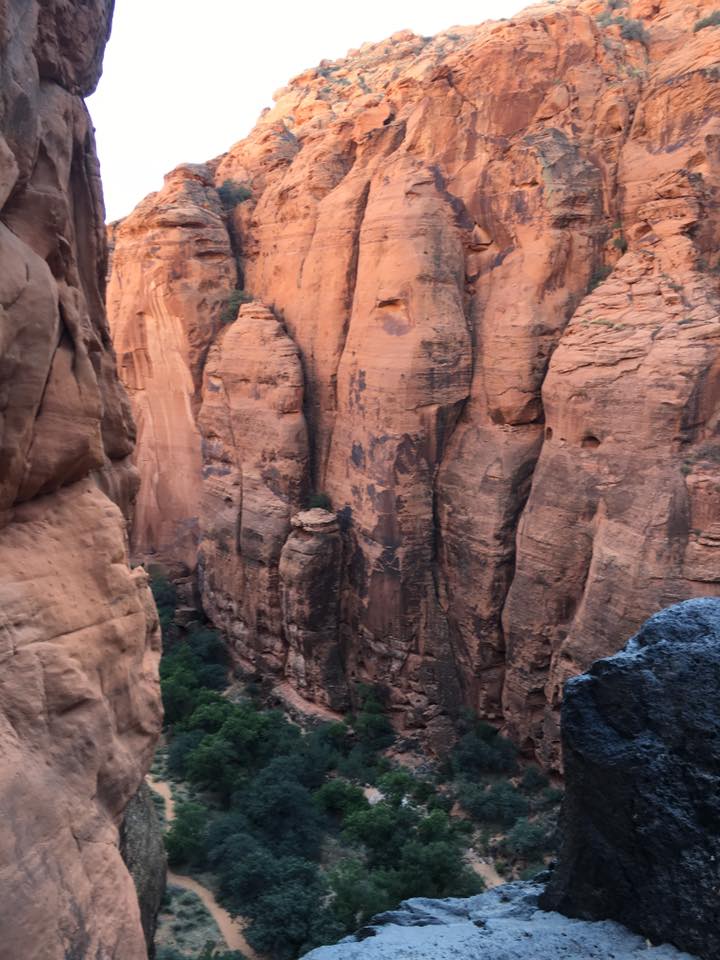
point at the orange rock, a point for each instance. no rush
(172, 274)
(79, 638)
(495, 252)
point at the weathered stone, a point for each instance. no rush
(503, 924)
(143, 851)
(79, 639)
(172, 273)
(310, 577)
(641, 819)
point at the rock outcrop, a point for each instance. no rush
(310, 576)
(172, 272)
(79, 640)
(503, 924)
(143, 851)
(493, 255)
(641, 820)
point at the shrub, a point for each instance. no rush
(501, 803)
(621, 244)
(633, 30)
(533, 779)
(319, 499)
(185, 841)
(712, 20)
(482, 750)
(233, 304)
(232, 193)
(340, 797)
(526, 839)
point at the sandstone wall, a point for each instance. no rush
(79, 643)
(496, 254)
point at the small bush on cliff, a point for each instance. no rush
(234, 302)
(232, 193)
(712, 20)
(319, 499)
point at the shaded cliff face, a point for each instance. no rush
(495, 253)
(640, 836)
(79, 644)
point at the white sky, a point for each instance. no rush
(185, 79)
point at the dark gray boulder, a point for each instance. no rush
(641, 819)
(143, 850)
(503, 924)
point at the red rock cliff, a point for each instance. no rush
(491, 258)
(79, 644)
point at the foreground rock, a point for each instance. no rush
(143, 850)
(79, 639)
(504, 924)
(641, 739)
(494, 254)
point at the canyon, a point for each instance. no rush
(425, 369)
(80, 704)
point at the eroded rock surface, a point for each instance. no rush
(143, 850)
(495, 255)
(503, 924)
(79, 640)
(172, 272)
(641, 824)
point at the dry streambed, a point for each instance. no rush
(231, 930)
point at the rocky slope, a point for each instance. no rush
(79, 644)
(487, 292)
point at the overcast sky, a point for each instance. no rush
(185, 79)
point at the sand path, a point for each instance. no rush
(231, 930)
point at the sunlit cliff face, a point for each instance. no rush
(493, 254)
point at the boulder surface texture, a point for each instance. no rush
(641, 819)
(503, 924)
(79, 641)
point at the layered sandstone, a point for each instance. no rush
(79, 644)
(172, 272)
(494, 253)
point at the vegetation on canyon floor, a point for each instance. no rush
(279, 816)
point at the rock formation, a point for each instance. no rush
(503, 924)
(492, 257)
(172, 272)
(79, 644)
(143, 851)
(641, 823)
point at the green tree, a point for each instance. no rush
(185, 841)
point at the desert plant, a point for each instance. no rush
(319, 499)
(232, 193)
(712, 20)
(233, 304)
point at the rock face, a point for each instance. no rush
(503, 924)
(641, 739)
(79, 643)
(310, 571)
(143, 850)
(494, 256)
(172, 271)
